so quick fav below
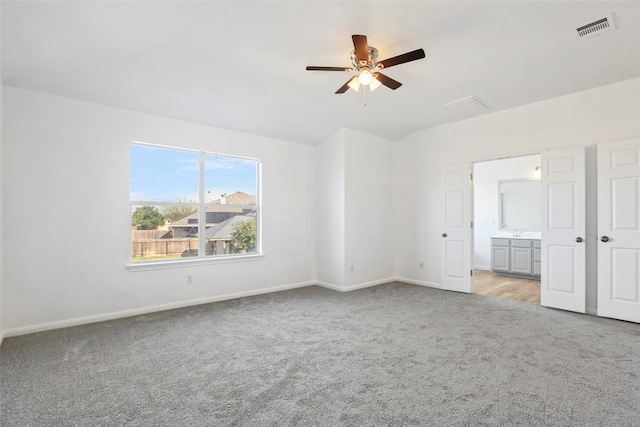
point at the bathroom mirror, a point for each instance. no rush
(519, 204)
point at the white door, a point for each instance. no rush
(456, 234)
(563, 229)
(619, 230)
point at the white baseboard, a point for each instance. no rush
(356, 286)
(145, 310)
(376, 283)
(330, 286)
(418, 282)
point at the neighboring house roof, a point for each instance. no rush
(192, 220)
(223, 230)
(237, 198)
(233, 204)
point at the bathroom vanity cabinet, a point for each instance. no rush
(515, 256)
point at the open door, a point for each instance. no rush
(563, 229)
(457, 232)
(619, 230)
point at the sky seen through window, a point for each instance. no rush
(169, 175)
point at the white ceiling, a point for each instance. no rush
(241, 65)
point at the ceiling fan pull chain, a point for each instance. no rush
(364, 96)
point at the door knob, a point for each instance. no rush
(578, 239)
(444, 234)
(604, 239)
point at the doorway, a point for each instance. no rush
(561, 261)
(496, 217)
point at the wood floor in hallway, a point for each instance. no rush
(513, 288)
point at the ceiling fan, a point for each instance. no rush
(365, 61)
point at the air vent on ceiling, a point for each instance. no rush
(596, 28)
(468, 105)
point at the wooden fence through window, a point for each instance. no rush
(164, 247)
(176, 248)
(151, 234)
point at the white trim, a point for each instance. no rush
(146, 310)
(156, 265)
(356, 286)
(259, 205)
(418, 282)
(202, 213)
(330, 286)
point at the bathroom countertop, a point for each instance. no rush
(525, 236)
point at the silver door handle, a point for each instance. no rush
(579, 239)
(444, 234)
(604, 239)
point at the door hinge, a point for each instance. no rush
(471, 224)
(471, 272)
(471, 176)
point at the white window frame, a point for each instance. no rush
(202, 257)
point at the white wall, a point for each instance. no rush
(1, 88)
(355, 210)
(330, 220)
(368, 209)
(485, 200)
(66, 215)
(606, 113)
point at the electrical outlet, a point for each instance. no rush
(189, 279)
(421, 265)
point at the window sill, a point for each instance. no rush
(157, 265)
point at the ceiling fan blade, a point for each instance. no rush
(361, 47)
(345, 87)
(387, 81)
(314, 68)
(401, 59)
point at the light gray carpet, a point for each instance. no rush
(394, 355)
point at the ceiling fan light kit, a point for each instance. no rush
(365, 62)
(354, 83)
(365, 76)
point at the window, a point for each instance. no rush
(192, 204)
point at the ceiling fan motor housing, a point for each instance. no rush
(372, 59)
